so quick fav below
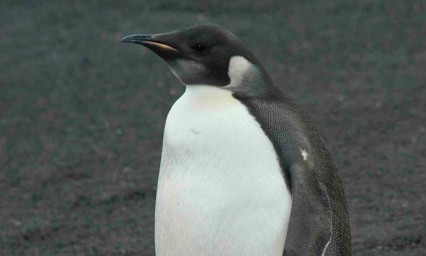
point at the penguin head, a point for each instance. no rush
(201, 54)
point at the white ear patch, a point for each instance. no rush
(237, 68)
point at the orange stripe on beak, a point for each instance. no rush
(160, 45)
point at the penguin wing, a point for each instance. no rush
(310, 224)
(319, 223)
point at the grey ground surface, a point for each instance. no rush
(81, 115)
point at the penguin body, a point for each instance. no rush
(219, 193)
(243, 169)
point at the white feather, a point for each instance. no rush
(304, 154)
(221, 189)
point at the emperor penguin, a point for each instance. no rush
(243, 169)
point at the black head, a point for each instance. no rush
(198, 54)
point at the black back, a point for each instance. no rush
(319, 221)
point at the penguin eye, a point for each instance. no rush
(198, 47)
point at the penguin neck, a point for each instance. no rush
(208, 96)
(244, 76)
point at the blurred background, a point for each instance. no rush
(82, 115)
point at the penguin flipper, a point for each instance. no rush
(319, 207)
(309, 228)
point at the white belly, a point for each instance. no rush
(220, 188)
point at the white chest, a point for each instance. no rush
(220, 189)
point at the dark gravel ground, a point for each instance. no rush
(81, 115)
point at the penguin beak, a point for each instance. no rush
(154, 43)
